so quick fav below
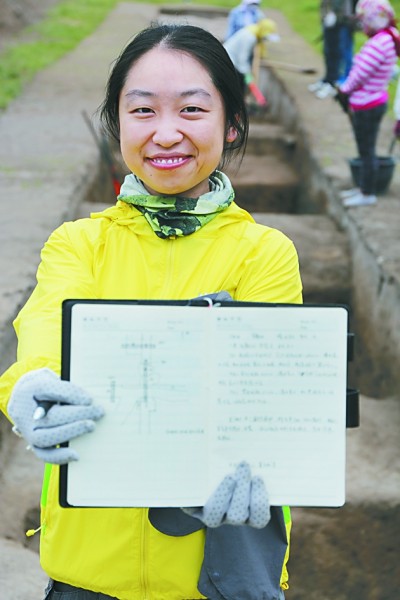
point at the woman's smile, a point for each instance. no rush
(168, 162)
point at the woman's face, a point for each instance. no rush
(172, 123)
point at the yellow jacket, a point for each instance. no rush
(115, 255)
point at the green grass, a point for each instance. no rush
(65, 26)
(73, 20)
(303, 15)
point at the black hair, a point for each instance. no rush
(204, 47)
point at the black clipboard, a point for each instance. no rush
(71, 306)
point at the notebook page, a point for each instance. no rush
(147, 366)
(280, 375)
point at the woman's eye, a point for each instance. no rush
(142, 110)
(192, 109)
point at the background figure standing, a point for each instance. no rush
(335, 17)
(247, 12)
(364, 94)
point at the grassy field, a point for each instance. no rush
(73, 20)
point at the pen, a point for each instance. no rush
(42, 408)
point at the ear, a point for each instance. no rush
(231, 135)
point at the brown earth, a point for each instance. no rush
(15, 15)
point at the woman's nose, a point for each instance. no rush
(167, 133)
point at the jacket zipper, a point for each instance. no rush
(170, 261)
(143, 555)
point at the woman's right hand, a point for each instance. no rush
(48, 411)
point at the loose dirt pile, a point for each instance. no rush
(15, 15)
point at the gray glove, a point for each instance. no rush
(222, 296)
(240, 499)
(69, 413)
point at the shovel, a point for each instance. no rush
(257, 94)
(392, 144)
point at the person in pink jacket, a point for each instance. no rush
(364, 94)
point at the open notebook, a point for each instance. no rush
(191, 390)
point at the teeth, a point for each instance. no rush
(168, 161)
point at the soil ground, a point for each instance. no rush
(15, 15)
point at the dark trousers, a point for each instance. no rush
(62, 591)
(366, 125)
(332, 53)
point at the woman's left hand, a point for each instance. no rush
(240, 499)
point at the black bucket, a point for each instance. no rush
(385, 172)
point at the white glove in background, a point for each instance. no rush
(274, 37)
(240, 499)
(71, 415)
(330, 19)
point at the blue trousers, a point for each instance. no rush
(366, 125)
(346, 51)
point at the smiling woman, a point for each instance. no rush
(175, 104)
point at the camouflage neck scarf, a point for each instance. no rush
(178, 216)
